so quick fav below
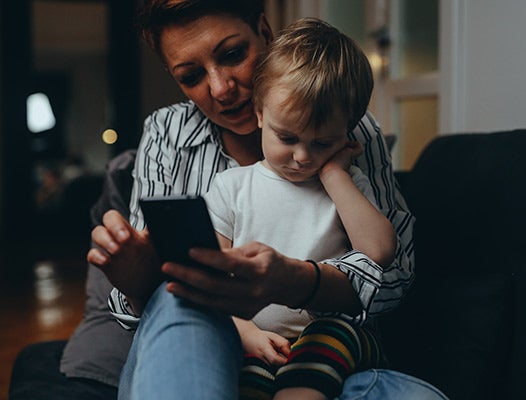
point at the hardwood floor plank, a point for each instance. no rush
(46, 305)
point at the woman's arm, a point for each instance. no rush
(256, 276)
(122, 250)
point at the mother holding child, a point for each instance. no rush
(316, 239)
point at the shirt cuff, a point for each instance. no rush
(365, 277)
(122, 311)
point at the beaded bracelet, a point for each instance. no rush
(315, 288)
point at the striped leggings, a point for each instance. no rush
(326, 353)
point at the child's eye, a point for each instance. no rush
(288, 140)
(323, 144)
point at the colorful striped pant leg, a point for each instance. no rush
(326, 353)
(256, 379)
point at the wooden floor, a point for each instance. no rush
(43, 300)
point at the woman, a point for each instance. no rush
(191, 349)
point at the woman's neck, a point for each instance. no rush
(245, 149)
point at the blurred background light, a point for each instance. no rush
(109, 136)
(40, 115)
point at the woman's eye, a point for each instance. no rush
(234, 56)
(190, 79)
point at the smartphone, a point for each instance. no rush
(178, 223)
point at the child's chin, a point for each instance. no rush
(299, 178)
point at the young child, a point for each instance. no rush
(307, 201)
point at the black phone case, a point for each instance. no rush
(178, 223)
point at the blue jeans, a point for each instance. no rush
(182, 351)
(388, 385)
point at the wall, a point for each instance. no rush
(483, 65)
(72, 39)
(157, 86)
(2, 222)
(15, 156)
(349, 17)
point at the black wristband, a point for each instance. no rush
(312, 294)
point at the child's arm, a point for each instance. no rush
(267, 346)
(368, 230)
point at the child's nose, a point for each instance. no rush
(302, 155)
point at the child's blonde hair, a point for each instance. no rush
(323, 69)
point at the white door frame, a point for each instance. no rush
(452, 66)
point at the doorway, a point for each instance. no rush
(70, 71)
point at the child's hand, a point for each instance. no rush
(267, 346)
(343, 158)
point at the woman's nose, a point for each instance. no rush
(222, 85)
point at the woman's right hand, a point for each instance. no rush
(255, 275)
(127, 258)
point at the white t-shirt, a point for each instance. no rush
(297, 219)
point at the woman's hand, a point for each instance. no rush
(250, 277)
(127, 258)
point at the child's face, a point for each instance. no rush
(292, 149)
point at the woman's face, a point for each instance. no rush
(213, 60)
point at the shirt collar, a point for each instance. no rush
(204, 130)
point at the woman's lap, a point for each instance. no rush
(385, 384)
(183, 351)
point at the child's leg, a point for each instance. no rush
(256, 379)
(326, 353)
(303, 393)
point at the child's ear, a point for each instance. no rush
(259, 114)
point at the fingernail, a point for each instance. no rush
(101, 258)
(122, 234)
(113, 247)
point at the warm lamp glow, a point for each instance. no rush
(109, 136)
(376, 61)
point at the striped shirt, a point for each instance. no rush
(181, 152)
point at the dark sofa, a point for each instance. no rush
(461, 325)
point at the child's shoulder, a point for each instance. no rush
(237, 174)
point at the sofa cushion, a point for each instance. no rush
(468, 195)
(35, 376)
(457, 327)
(454, 332)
